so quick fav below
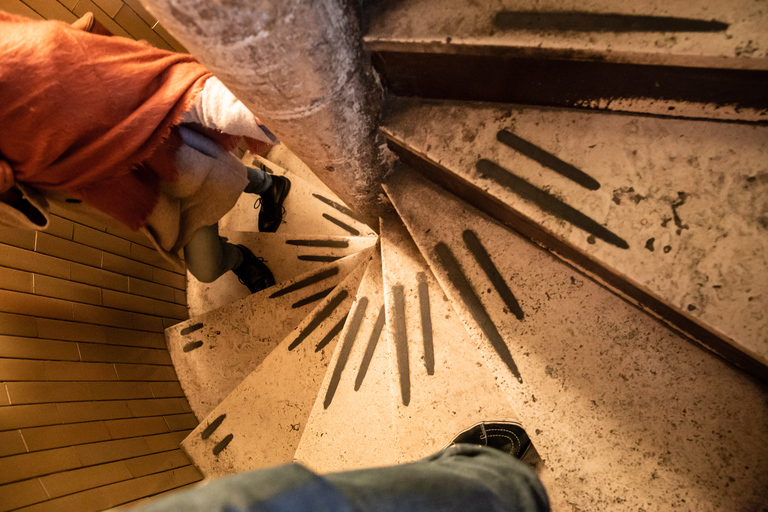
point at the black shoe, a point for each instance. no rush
(271, 214)
(252, 272)
(507, 436)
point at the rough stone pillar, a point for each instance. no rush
(300, 67)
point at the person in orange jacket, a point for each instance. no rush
(137, 133)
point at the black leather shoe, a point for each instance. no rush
(507, 436)
(252, 272)
(271, 214)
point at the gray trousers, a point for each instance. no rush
(209, 257)
(460, 478)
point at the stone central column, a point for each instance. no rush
(300, 67)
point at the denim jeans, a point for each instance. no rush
(209, 257)
(458, 479)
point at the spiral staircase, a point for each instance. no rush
(599, 275)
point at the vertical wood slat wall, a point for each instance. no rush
(91, 411)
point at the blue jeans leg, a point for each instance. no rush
(460, 478)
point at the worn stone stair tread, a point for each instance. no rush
(287, 256)
(308, 209)
(282, 159)
(259, 424)
(482, 23)
(351, 424)
(625, 412)
(689, 198)
(729, 35)
(445, 386)
(212, 353)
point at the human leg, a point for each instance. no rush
(209, 257)
(273, 191)
(258, 181)
(461, 477)
(457, 479)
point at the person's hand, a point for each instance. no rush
(6, 177)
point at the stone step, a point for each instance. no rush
(670, 213)
(281, 160)
(625, 413)
(699, 58)
(308, 209)
(442, 385)
(351, 425)
(260, 423)
(214, 352)
(287, 256)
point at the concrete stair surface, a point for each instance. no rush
(287, 256)
(352, 421)
(260, 423)
(453, 319)
(308, 209)
(625, 413)
(699, 58)
(214, 352)
(281, 160)
(441, 384)
(594, 267)
(670, 213)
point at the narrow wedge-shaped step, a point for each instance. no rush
(213, 352)
(441, 383)
(625, 413)
(697, 58)
(672, 214)
(287, 256)
(308, 209)
(351, 425)
(260, 423)
(281, 160)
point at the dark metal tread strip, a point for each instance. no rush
(342, 225)
(336, 329)
(370, 348)
(575, 21)
(319, 317)
(222, 444)
(401, 344)
(192, 345)
(340, 208)
(318, 257)
(475, 306)
(334, 244)
(547, 159)
(547, 202)
(313, 298)
(486, 263)
(346, 349)
(211, 428)
(426, 325)
(191, 329)
(308, 281)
